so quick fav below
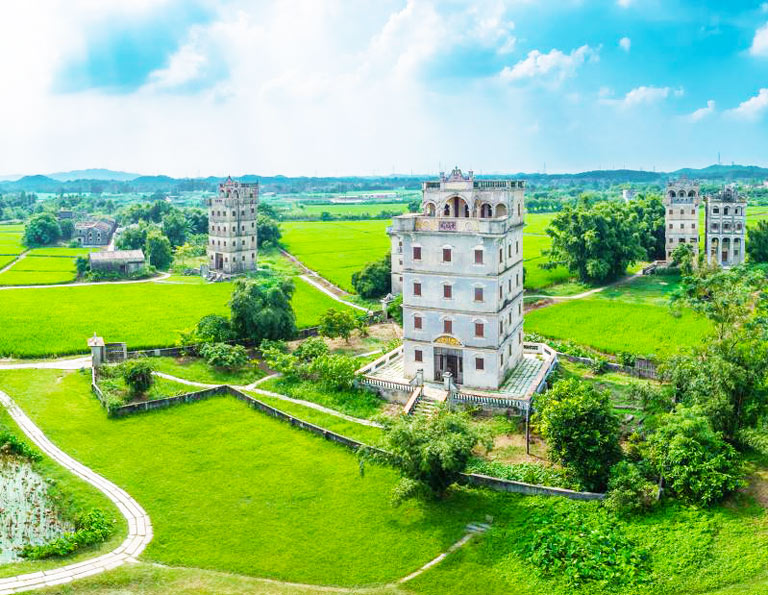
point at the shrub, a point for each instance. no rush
(626, 359)
(137, 374)
(598, 365)
(525, 472)
(337, 323)
(214, 328)
(10, 444)
(584, 545)
(374, 280)
(628, 490)
(334, 372)
(581, 430)
(311, 349)
(223, 355)
(395, 309)
(82, 265)
(696, 464)
(92, 527)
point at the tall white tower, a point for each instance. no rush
(726, 227)
(681, 220)
(232, 236)
(462, 280)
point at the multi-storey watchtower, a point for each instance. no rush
(232, 232)
(681, 220)
(726, 223)
(462, 280)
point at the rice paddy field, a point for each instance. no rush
(10, 239)
(633, 317)
(337, 249)
(40, 270)
(46, 321)
(371, 209)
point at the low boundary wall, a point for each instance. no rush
(646, 369)
(494, 483)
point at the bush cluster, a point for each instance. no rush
(223, 355)
(92, 527)
(313, 363)
(10, 444)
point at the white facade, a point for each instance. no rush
(681, 219)
(726, 226)
(232, 235)
(462, 280)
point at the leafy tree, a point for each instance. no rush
(628, 489)
(137, 374)
(197, 220)
(158, 250)
(310, 349)
(333, 371)
(67, 229)
(42, 229)
(694, 461)
(134, 237)
(82, 265)
(223, 355)
(268, 230)
(757, 242)
(596, 243)
(175, 227)
(649, 213)
(581, 430)
(429, 451)
(262, 310)
(414, 206)
(683, 258)
(337, 323)
(374, 280)
(214, 328)
(395, 309)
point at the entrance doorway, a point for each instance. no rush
(449, 360)
(218, 261)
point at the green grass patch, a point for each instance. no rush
(371, 209)
(39, 322)
(62, 251)
(231, 489)
(197, 370)
(356, 402)
(537, 223)
(613, 325)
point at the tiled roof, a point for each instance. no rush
(109, 256)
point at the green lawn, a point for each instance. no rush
(39, 322)
(197, 370)
(615, 325)
(232, 489)
(62, 251)
(356, 402)
(74, 496)
(537, 223)
(40, 270)
(336, 249)
(10, 239)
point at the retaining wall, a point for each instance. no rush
(518, 487)
(645, 371)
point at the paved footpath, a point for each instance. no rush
(139, 525)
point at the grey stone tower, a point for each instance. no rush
(232, 236)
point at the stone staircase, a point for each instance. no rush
(429, 400)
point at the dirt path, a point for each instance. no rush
(585, 294)
(21, 256)
(56, 364)
(314, 282)
(338, 291)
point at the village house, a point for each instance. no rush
(117, 261)
(94, 233)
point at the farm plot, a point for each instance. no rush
(39, 322)
(371, 209)
(10, 239)
(336, 249)
(62, 251)
(40, 270)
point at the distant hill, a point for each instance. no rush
(123, 182)
(93, 174)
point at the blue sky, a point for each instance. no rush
(331, 87)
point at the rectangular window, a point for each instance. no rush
(417, 356)
(500, 294)
(478, 294)
(446, 255)
(478, 257)
(417, 253)
(447, 291)
(417, 322)
(417, 289)
(501, 327)
(479, 329)
(448, 326)
(479, 363)
(517, 247)
(509, 250)
(501, 254)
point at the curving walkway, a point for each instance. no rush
(329, 293)
(588, 293)
(139, 525)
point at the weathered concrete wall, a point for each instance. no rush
(518, 487)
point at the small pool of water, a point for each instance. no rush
(26, 514)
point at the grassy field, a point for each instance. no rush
(336, 249)
(272, 501)
(371, 209)
(39, 322)
(62, 251)
(40, 270)
(197, 370)
(243, 492)
(10, 239)
(632, 317)
(75, 496)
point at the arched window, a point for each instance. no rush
(486, 211)
(672, 194)
(430, 209)
(501, 210)
(691, 194)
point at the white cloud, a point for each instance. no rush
(552, 66)
(624, 3)
(752, 108)
(764, 7)
(625, 43)
(760, 42)
(702, 112)
(644, 95)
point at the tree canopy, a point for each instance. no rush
(261, 309)
(375, 279)
(42, 229)
(757, 242)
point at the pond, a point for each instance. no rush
(27, 516)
